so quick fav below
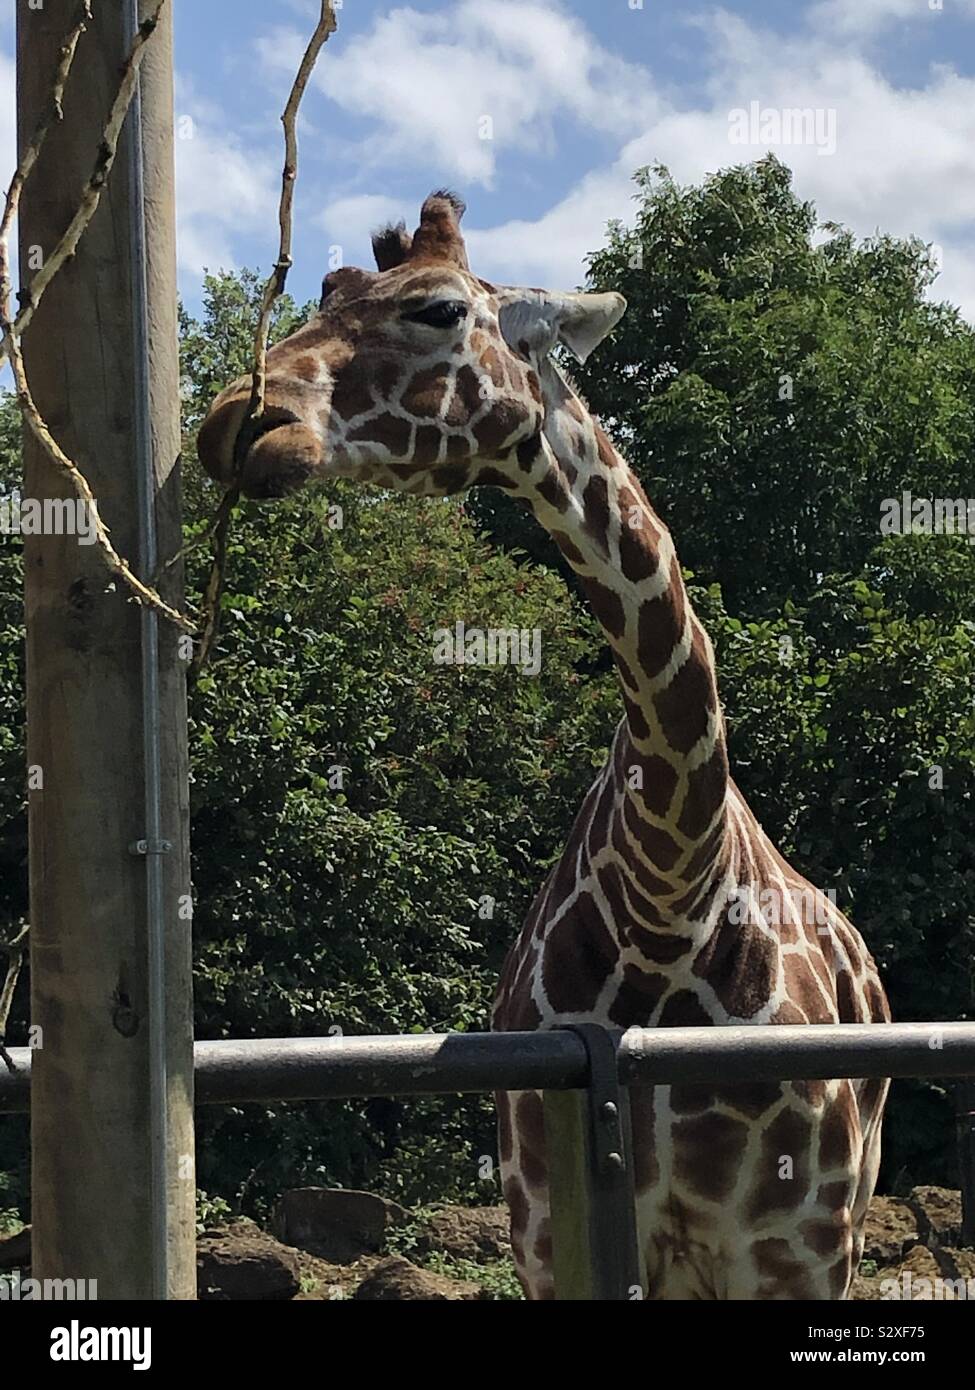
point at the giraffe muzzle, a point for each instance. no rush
(268, 457)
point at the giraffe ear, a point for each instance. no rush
(538, 319)
(584, 320)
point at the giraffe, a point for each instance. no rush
(669, 905)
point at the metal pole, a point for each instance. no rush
(154, 844)
(112, 1189)
(965, 1122)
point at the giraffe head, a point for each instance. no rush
(417, 376)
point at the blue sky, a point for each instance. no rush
(538, 111)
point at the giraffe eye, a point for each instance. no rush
(446, 313)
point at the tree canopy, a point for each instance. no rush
(369, 827)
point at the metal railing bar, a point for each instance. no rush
(278, 1069)
(815, 1051)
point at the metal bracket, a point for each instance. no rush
(144, 847)
(613, 1243)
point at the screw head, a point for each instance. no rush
(609, 1112)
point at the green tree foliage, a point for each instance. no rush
(369, 827)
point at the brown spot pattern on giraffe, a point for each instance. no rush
(517, 1200)
(530, 1124)
(426, 445)
(391, 430)
(552, 488)
(783, 1274)
(638, 995)
(568, 548)
(708, 1150)
(787, 1136)
(684, 707)
(706, 788)
(658, 846)
(660, 624)
(579, 957)
(684, 1010)
(739, 963)
(607, 606)
(352, 396)
(839, 1130)
(607, 454)
(638, 560)
(650, 883)
(595, 501)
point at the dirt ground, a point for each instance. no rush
(328, 1244)
(912, 1251)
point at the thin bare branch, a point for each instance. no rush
(52, 113)
(59, 458)
(95, 186)
(15, 958)
(10, 345)
(215, 580)
(272, 292)
(278, 278)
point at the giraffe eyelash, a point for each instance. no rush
(445, 313)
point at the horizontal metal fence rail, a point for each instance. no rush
(233, 1071)
(584, 1072)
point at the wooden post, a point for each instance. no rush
(93, 1165)
(567, 1152)
(596, 1254)
(965, 1130)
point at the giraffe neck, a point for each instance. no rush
(666, 784)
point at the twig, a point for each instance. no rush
(94, 188)
(15, 959)
(10, 341)
(59, 458)
(272, 292)
(30, 156)
(215, 581)
(278, 278)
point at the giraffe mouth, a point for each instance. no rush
(276, 454)
(252, 431)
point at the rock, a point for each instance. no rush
(938, 1211)
(467, 1233)
(337, 1224)
(891, 1228)
(240, 1261)
(15, 1250)
(395, 1279)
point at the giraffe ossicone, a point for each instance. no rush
(422, 378)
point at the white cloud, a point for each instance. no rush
(861, 17)
(454, 87)
(904, 160)
(8, 120)
(349, 222)
(222, 189)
